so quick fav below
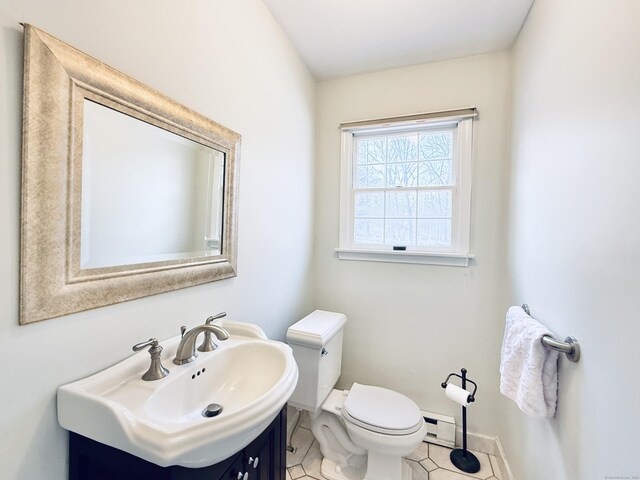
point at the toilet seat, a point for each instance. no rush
(381, 410)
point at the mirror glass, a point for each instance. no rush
(148, 195)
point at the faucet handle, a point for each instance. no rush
(152, 342)
(183, 329)
(156, 371)
(207, 344)
(211, 319)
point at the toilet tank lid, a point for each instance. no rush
(316, 329)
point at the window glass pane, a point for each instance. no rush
(372, 151)
(402, 174)
(370, 176)
(368, 231)
(436, 145)
(434, 204)
(400, 232)
(435, 173)
(403, 148)
(394, 199)
(400, 204)
(434, 232)
(369, 204)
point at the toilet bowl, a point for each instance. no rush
(364, 432)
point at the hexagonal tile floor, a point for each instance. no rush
(428, 462)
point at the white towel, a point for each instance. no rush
(528, 370)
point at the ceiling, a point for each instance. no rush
(344, 37)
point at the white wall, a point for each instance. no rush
(410, 325)
(574, 233)
(231, 62)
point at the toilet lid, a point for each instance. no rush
(381, 410)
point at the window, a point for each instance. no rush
(406, 189)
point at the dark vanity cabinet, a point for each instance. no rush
(262, 459)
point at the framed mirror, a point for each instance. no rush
(125, 192)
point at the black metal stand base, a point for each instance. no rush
(465, 461)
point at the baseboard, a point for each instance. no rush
(502, 461)
(490, 446)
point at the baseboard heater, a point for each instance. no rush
(441, 429)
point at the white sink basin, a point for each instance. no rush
(161, 421)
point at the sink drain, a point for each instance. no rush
(212, 410)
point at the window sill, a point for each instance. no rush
(396, 256)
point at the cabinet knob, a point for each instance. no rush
(243, 476)
(254, 461)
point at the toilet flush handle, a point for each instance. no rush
(323, 352)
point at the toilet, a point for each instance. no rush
(363, 432)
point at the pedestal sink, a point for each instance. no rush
(249, 376)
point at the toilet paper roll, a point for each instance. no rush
(457, 394)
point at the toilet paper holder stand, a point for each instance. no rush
(462, 458)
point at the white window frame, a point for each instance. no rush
(456, 255)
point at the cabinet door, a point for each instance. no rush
(237, 471)
(265, 456)
(257, 458)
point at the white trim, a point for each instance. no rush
(505, 468)
(440, 124)
(405, 256)
(465, 157)
(490, 446)
(456, 255)
(346, 181)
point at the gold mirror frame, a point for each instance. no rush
(57, 79)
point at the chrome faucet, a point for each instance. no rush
(186, 351)
(208, 344)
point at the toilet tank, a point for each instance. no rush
(316, 341)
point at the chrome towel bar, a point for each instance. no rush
(570, 347)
